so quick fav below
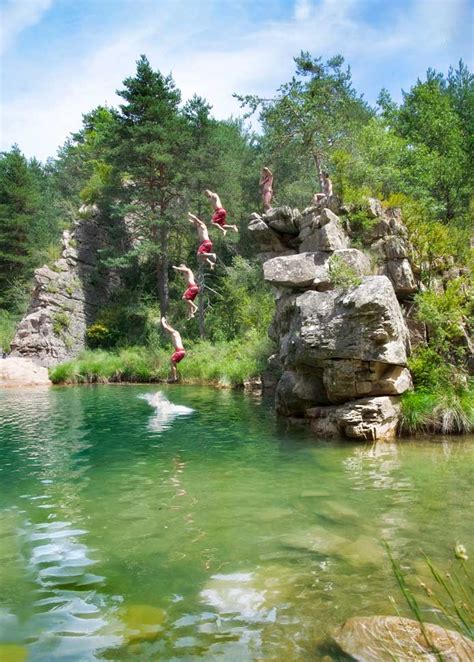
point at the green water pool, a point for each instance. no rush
(130, 530)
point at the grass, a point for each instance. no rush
(448, 411)
(222, 363)
(448, 594)
(8, 323)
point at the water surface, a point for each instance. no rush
(131, 530)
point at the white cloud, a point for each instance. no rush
(16, 15)
(302, 10)
(255, 61)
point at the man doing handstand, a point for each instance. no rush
(179, 351)
(205, 247)
(220, 215)
(191, 291)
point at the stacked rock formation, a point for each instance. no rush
(341, 336)
(66, 296)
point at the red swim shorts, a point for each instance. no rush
(191, 293)
(205, 247)
(178, 355)
(219, 216)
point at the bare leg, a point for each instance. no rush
(232, 227)
(224, 232)
(174, 374)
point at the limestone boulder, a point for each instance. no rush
(22, 372)
(266, 239)
(312, 270)
(297, 391)
(374, 208)
(297, 271)
(401, 275)
(330, 237)
(388, 638)
(396, 248)
(347, 379)
(364, 419)
(284, 220)
(363, 322)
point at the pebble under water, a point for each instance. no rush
(193, 525)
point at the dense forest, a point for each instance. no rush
(145, 163)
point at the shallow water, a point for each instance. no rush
(132, 530)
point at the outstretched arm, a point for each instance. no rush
(195, 220)
(166, 326)
(182, 268)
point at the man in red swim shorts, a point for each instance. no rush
(220, 215)
(179, 351)
(191, 291)
(204, 253)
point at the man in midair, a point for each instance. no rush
(204, 253)
(191, 291)
(179, 351)
(219, 218)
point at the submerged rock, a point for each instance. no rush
(141, 622)
(388, 638)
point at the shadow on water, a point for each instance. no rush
(188, 523)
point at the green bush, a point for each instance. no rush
(448, 411)
(342, 274)
(61, 322)
(8, 322)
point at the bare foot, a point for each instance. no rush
(236, 229)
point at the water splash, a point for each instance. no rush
(165, 412)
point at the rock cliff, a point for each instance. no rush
(339, 328)
(66, 296)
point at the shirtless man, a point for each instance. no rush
(179, 351)
(220, 214)
(191, 291)
(266, 182)
(326, 186)
(205, 247)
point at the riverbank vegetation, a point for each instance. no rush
(146, 163)
(223, 363)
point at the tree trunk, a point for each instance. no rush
(162, 283)
(319, 168)
(201, 316)
(162, 263)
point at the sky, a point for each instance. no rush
(61, 58)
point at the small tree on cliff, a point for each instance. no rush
(315, 111)
(148, 150)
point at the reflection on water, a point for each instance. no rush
(202, 528)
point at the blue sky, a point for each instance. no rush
(61, 58)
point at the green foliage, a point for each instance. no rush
(29, 221)
(449, 411)
(444, 312)
(61, 322)
(361, 226)
(99, 335)
(244, 301)
(448, 593)
(8, 322)
(52, 287)
(215, 363)
(342, 274)
(310, 116)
